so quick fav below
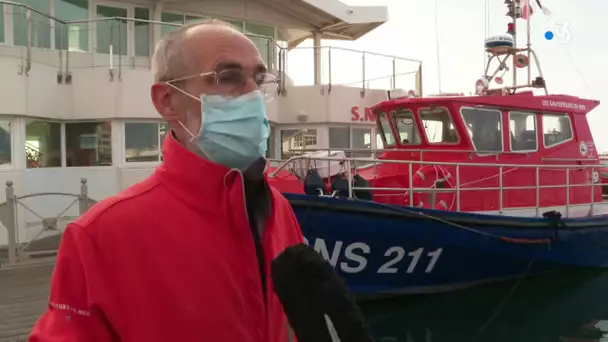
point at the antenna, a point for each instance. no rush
(437, 48)
(503, 47)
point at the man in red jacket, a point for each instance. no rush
(185, 255)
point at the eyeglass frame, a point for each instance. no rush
(216, 74)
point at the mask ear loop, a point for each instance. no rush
(192, 136)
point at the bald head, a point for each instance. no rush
(175, 54)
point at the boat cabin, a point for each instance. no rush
(527, 148)
(519, 154)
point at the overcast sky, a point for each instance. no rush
(576, 65)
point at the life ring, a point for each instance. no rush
(432, 177)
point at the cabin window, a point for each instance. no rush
(406, 126)
(557, 129)
(523, 131)
(438, 126)
(485, 128)
(385, 128)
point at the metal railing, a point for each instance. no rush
(375, 71)
(500, 171)
(110, 42)
(9, 215)
(119, 43)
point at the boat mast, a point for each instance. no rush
(504, 46)
(514, 10)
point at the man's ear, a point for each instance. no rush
(161, 98)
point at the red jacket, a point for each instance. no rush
(172, 258)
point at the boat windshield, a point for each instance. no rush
(438, 126)
(385, 128)
(406, 126)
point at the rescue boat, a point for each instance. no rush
(467, 190)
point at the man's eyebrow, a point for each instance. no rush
(228, 65)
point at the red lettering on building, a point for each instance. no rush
(356, 115)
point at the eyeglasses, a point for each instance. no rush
(231, 83)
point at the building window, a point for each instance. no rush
(361, 139)
(142, 142)
(88, 143)
(171, 18)
(42, 144)
(142, 32)
(557, 129)
(72, 37)
(41, 25)
(270, 152)
(112, 33)
(6, 145)
(438, 126)
(523, 132)
(163, 129)
(294, 140)
(238, 25)
(2, 40)
(176, 18)
(485, 128)
(339, 137)
(264, 43)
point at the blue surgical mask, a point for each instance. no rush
(234, 131)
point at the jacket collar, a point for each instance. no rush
(198, 180)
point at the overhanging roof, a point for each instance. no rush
(332, 19)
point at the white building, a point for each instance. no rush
(75, 80)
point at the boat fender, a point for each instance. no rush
(313, 183)
(555, 220)
(362, 194)
(340, 186)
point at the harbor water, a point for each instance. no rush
(566, 306)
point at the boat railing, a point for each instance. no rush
(502, 169)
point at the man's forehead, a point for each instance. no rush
(217, 47)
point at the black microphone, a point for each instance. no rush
(311, 292)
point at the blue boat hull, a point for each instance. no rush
(382, 249)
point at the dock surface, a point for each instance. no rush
(24, 291)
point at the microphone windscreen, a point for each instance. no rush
(306, 317)
(308, 287)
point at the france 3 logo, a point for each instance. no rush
(559, 31)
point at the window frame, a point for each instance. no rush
(339, 127)
(396, 127)
(556, 115)
(12, 164)
(5, 32)
(138, 164)
(536, 126)
(91, 6)
(130, 27)
(452, 121)
(299, 130)
(380, 129)
(62, 142)
(65, 144)
(502, 125)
